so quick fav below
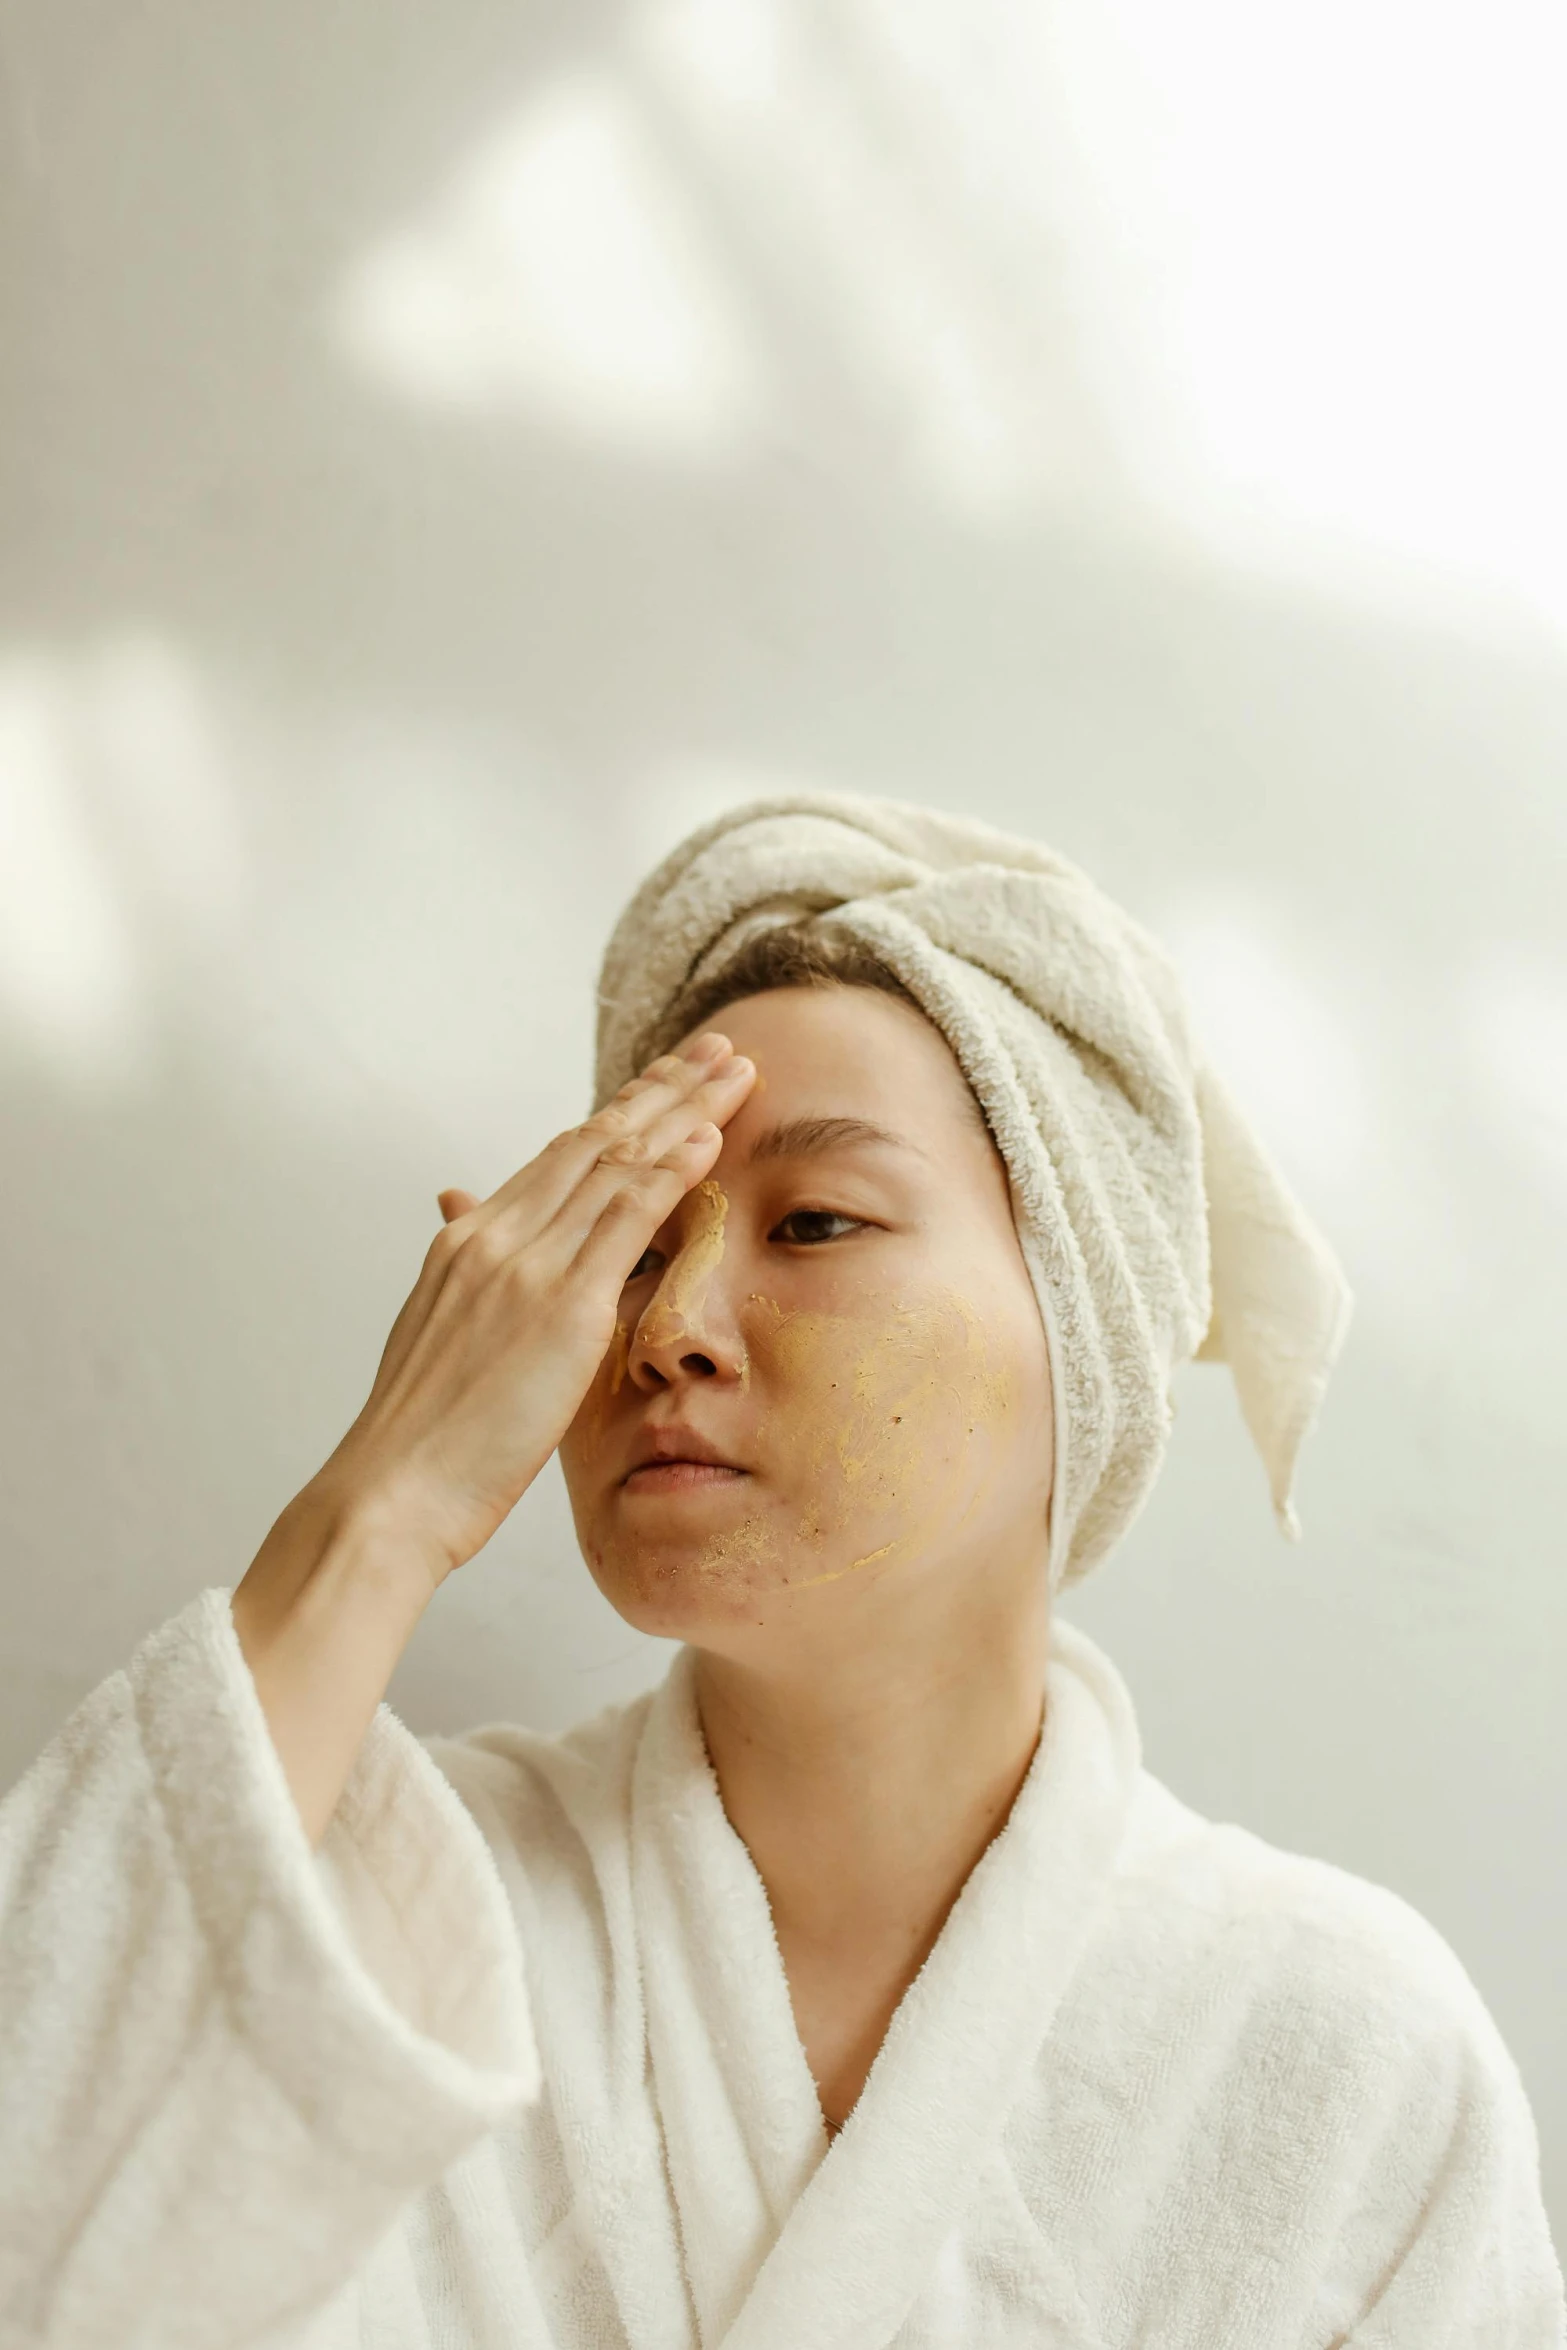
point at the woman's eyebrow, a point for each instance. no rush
(808, 1138)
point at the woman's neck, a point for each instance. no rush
(866, 1780)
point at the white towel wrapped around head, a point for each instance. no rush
(1154, 1224)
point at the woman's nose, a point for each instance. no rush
(686, 1329)
(653, 1367)
(672, 1342)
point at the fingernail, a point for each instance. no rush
(708, 1047)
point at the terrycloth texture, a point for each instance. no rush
(224, 2062)
(1154, 1223)
(1159, 2083)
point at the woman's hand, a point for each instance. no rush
(485, 1367)
(515, 1307)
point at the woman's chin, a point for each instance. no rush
(678, 1557)
(676, 1560)
(684, 1602)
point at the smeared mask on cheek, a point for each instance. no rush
(883, 1425)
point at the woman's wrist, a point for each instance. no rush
(335, 1537)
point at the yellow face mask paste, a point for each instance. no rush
(678, 1301)
(881, 1412)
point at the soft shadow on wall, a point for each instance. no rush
(447, 453)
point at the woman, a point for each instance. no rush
(858, 1985)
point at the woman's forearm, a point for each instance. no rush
(323, 1613)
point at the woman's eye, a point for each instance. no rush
(804, 1226)
(648, 1262)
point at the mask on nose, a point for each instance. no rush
(674, 1310)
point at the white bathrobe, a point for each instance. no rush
(511, 2063)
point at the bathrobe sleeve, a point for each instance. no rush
(1471, 2264)
(228, 2061)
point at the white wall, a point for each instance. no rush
(447, 448)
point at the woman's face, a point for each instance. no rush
(829, 1370)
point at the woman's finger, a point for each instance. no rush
(535, 1194)
(629, 1218)
(713, 1103)
(453, 1203)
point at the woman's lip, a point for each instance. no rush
(679, 1476)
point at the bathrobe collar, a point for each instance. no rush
(787, 2239)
